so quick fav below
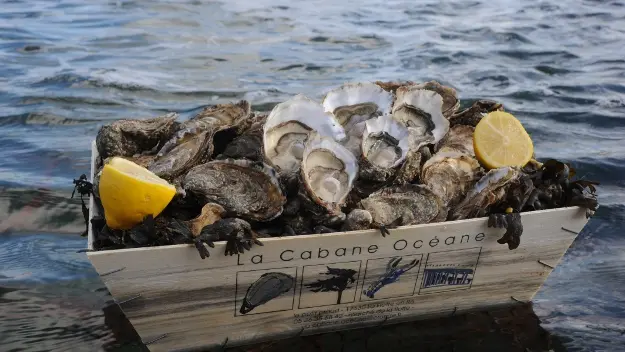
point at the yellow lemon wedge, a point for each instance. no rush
(500, 140)
(130, 192)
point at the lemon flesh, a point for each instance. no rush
(500, 140)
(130, 192)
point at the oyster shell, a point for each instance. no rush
(404, 205)
(473, 114)
(354, 103)
(195, 142)
(384, 147)
(287, 128)
(391, 86)
(210, 118)
(449, 95)
(450, 174)
(246, 189)
(130, 137)
(327, 175)
(421, 110)
(488, 191)
(211, 213)
(249, 145)
(357, 219)
(459, 139)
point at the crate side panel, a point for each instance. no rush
(319, 283)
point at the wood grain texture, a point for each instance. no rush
(197, 302)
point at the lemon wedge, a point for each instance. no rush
(130, 192)
(500, 140)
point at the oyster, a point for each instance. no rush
(450, 175)
(354, 103)
(449, 95)
(210, 118)
(196, 141)
(404, 205)
(249, 145)
(327, 175)
(130, 137)
(487, 192)
(473, 114)
(287, 128)
(421, 110)
(357, 219)
(459, 139)
(391, 86)
(246, 189)
(384, 148)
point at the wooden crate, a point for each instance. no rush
(177, 301)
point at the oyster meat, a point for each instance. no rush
(486, 193)
(287, 128)
(421, 110)
(404, 205)
(245, 189)
(327, 175)
(354, 103)
(130, 137)
(384, 148)
(450, 174)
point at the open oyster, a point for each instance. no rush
(246, 189)
(473, 114)
(354, 103)
(450, 174)
(130, 137)
(327, 175)
(287, 128)
(404, 205)
(459, 138)
(449, 95)
(194, 143)
(421, 110)
(488, 191)
(384, 147)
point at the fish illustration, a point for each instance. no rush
(267, 287)
(391, 275)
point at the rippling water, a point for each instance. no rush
(68, 66)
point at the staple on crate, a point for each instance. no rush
(128, 300)
(156, 339)
(516, 299)
(545, 264)
(571, 231)
(113, 271)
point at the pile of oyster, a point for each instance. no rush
(369, 155)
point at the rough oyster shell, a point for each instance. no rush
(421, 110)
(130, 137)
(287, 128)
(195, 143)
(450, 175)
(246, 189)
(449, 95)
(354, 103)
(473, 114)
(328, 173)
(249, 145)
(404, 205)
(210, 118)
(488, 191)
(459, 139)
